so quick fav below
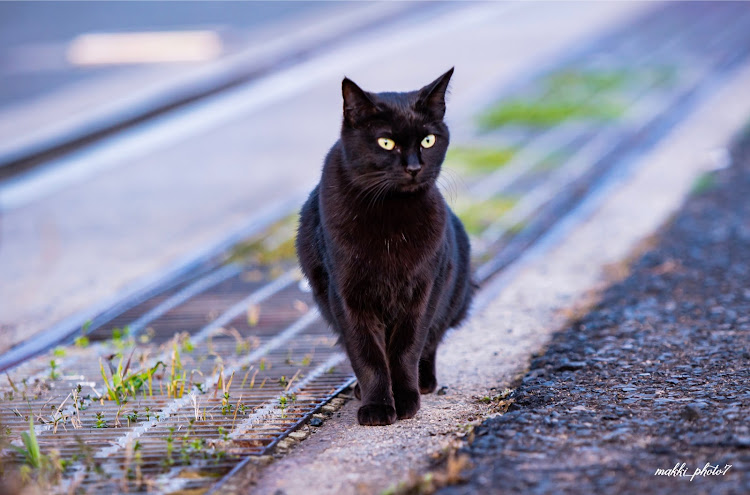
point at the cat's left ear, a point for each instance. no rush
(357, 103)
(432, 97)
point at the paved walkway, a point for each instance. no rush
(654, 377)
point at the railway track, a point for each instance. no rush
(221, 363)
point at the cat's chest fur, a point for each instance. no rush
(381, 250)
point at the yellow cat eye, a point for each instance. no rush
(386, 144)
(428, 141)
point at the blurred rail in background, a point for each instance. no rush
(91, 70)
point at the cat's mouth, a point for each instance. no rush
(413, 185)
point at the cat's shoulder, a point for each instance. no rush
(334, 154)
(311, 204)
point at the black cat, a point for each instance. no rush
(387, 260)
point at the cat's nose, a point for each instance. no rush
(412, 165)
(413, 168)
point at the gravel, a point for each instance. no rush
(657, 375)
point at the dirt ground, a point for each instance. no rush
(656, 376)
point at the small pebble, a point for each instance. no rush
(299, 435)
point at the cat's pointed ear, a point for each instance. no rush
(357, 104)
(432, 97)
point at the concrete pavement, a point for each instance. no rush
(646, 393)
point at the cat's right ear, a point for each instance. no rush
(432, 96)
(357, 104)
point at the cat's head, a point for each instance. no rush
(394, 141)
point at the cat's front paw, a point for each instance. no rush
(407, 403)
(376, 415)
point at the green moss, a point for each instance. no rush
(285, 251)
(591, 82)
(568, 81)
(477, 160)
(478, 216)
(551, 161)
(546, 113)
(191, 491)
(704, 183)
(517, 227)
(573, 95)
(198, 474)
(274, 246)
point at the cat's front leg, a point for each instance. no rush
(405, 345)
(403, 356)
(364, 339)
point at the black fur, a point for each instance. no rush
(387, 260)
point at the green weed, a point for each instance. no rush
(120, 385)
(54, 374)
(100, 421)
(31, 452)
(168, 460)
(121, 338)
(177, 374)
(43, 468)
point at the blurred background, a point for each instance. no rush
(48, 46)
(136, 134)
